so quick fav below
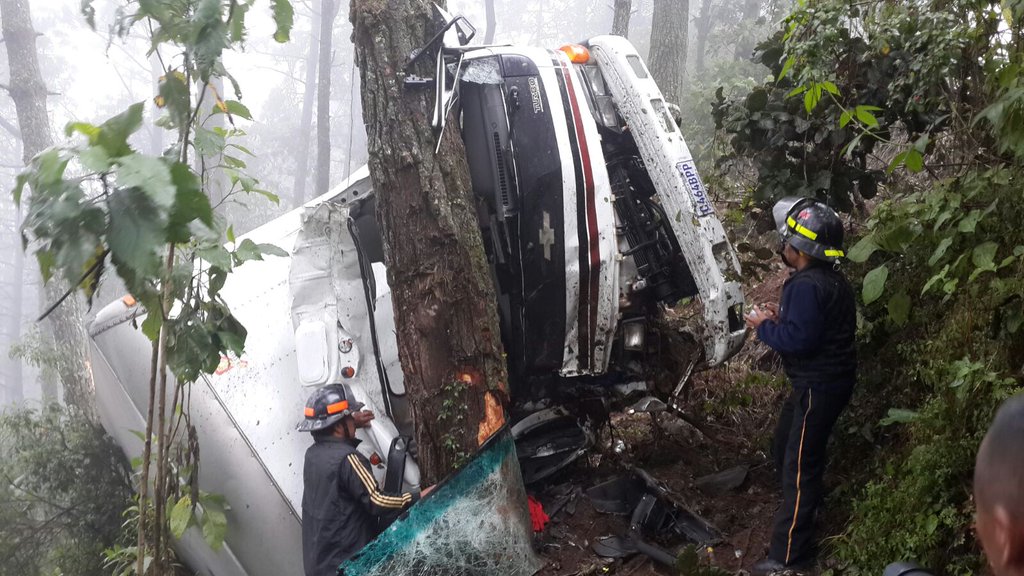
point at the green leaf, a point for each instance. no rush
(218, 276)
(272, 250)
(95, 159)
(181, 515)
(174, 96)
(190, 204)
(866, 117)
(811, 98)
(796, 91)
(830, 88)
(874, 284)
(940, 250)
(216, 256)
(233, 162)
(211, 37)
(935, 279)
(215, 526)
(46, 261)
(786, 68)
(114, 133)
(90, 131)
(900, 416)
(135, 232)
(232, 342)
(19, 187)
(236, 27)
(235, 108)
(268, 195)
(845, 118)
(231, 234)
(149, 174)
(914, 161)
(898, 160)
(151, 325)
(208, 143)
(283, 16)
(247, 250)
(970, 222)
(862, 250)
(899, 308)
(984, 255)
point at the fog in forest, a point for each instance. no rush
(92, 74)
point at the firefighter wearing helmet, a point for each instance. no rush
(813, 329)
(341, 502)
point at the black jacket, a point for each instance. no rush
(816, 330)
(340, 504)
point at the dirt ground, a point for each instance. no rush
(735, 414)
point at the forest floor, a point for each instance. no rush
(736, 406)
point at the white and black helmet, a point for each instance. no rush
(809, 226)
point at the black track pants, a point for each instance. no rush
(801, 437)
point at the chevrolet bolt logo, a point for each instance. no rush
(547, 236)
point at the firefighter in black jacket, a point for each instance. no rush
(340, 500)
(813, 329)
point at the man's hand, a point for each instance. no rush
(363, 418)
(757, 316)
(772, 309)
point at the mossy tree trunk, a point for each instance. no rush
(620, 19)
(669, 36)
(28, 91)
(445, 306)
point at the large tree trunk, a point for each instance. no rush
(668, 46)
(29, 94)
(747, 41)
(15, 276)
(445, 308)
(328, 11)
(705, 22)
(156, 133)
(490, 21)
(306, 116)
(620, 20)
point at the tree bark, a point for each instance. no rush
(328, 11)
(306, 117)
(620, 20)
(490, 21)
(15, 387)
(747, 40)
(667, 60)
(156, 133)
(445, 306)
(705, 22)
(29, 94)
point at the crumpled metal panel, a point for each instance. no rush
(475, 523)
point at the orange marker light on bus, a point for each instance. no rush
(577, 54)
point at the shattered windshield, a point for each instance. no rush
(475, 523)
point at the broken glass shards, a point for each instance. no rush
(482, 71)
(474, 523)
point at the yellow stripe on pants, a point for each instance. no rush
(799, 462)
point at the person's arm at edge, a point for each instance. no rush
(801, 330)
(362, 483)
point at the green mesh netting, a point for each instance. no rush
(475, 523)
